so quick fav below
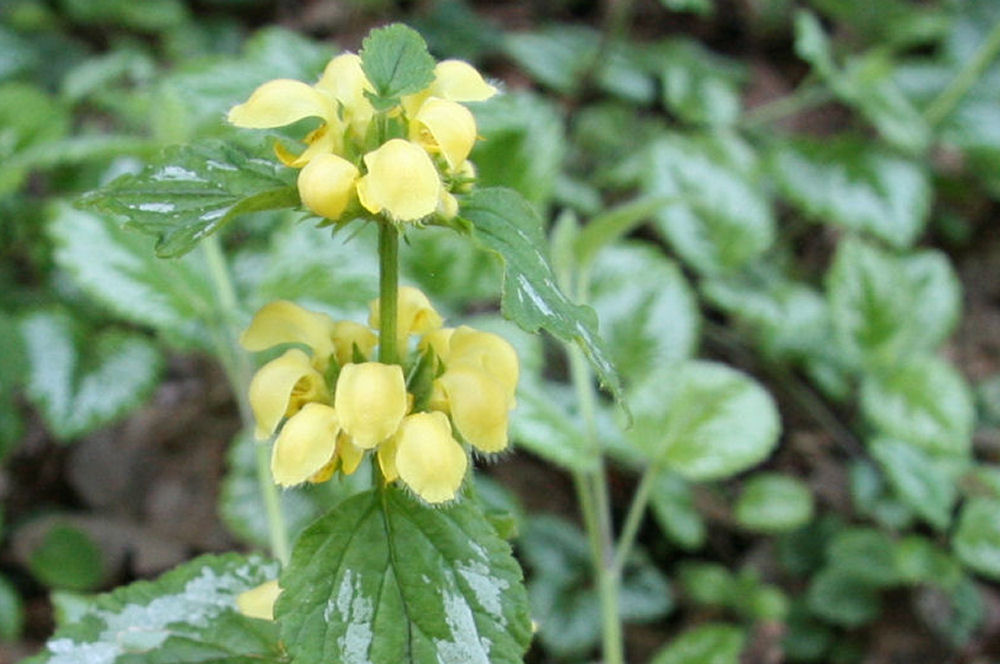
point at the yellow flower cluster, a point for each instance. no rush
(404, 178)
(334, 404)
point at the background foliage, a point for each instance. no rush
(782, 213)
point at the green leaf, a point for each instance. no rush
(701, 7)
(30, 118)
(503, 222)
(447, 269)
(925, 484)
(242, 507)
(850, 183)
(887, 308)
(725, 218)
(698, 86)
(396, 62)
(648, 312)
(11, 611)
(116, 267)
(191, 191)
(703, 420)
(866, 554)
(187, 615)
(871, 497)
(432, 584)
(546, 423)
(919, 561)
(710, 584)
(523, 147)
(150, 16)
(772, 503)
(672, 503)
(81, 387)
(709, 643)
(843, 599)
(976, 541)
(68, 559)
(923, 401)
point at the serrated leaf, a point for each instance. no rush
(81, 387)
(117, 268)
(923, 401)
(977, 540)
(703, 420)
(242, 506)
(710, 643)
(191, 191)
(771, 502)
(850, 183)
(925, 484)
(396, 61)
(724, 219)
(648, 313)
(432, 584)
(187, 615)
(886, 308)
(503, 222)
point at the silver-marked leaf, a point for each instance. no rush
(116, 267)
(386, 580)
(648, 312)
(924, 483)
(191, 191)
(698, 86)
(502, 221)
(724, 219)
(187, 615)
(79, 387)
(854, 185)
(703, 420)
(887, 308)
(923, 401)
(546, 423)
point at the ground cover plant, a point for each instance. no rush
(495, 332)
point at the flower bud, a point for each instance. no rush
(478, 404)
(326, 185)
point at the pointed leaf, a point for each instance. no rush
(396, 61)
(191, 191)
(502, 221)
(434, 585)
(925, 484)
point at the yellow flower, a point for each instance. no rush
(479, 405)
(414, 314)
(259, 602)
(428, 458)
(348, 334)
(454, 80)
(401, 181)
(281, 388)
(306, 445)
(346, 82)
(284, 101)
(326, 185)
(446, 127)
(370, 401)
(487, 352)
(284, 322)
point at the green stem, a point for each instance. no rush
(388, 291)
(640, 500)
(805, 97)
(238, 371)
(945, 103)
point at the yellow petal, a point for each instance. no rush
(401, 181)
(428, 458)
(439, 341)
(349, 453)
(346, 82)
(259, 602)
(486, 351)
(281, 102)
(370, 401)
(348, 334)
(414, 314)
(459, 81)
(478, 405)
(387, 460)
(326, 185)
(446, 127)
(284, 322)
(306, 444)
(329, 138)
(447, 206)
(281, 387)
